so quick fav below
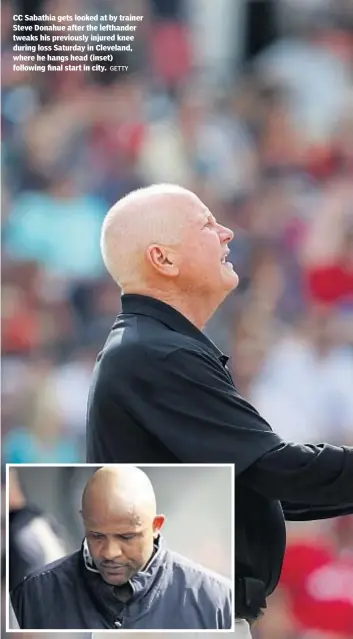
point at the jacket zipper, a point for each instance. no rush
(118, 623)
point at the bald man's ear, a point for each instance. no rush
(162, 259)
(158, 524)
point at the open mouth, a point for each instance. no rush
(224, 261)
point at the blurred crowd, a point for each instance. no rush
(269, 147)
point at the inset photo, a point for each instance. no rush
(118, 546)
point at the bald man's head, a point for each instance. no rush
(117, 489)
(155, 215)
(120, 520)
(163, 239)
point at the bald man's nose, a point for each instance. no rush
(225, 233)
(111, 550)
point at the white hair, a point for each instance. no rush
(143, 217)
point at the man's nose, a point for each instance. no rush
(111, 550)
(225, 234)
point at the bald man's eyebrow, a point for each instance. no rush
(209, 218)
(123, 535)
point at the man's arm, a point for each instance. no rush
(299, 512)
(319, 476)
(188, 401)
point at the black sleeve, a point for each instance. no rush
(200, 417)
(188, 401)
(301, 512)
(320, 477)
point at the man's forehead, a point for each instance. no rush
(117, 506)
(114, 520)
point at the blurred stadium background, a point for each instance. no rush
(250, 104)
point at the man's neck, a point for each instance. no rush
(197, 310)
(124, 591)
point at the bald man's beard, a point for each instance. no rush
(117, 574)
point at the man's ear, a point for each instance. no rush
(162, 259)
(158, 524)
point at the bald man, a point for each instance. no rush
(124, 576)
(162, 393)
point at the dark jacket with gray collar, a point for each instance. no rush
(171, 593)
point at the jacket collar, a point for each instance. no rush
(162, 312)
(140, 584)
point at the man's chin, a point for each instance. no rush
(115, 581)
(231, 281)
(115, 578)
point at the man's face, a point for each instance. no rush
(121, 543)
(202, 258)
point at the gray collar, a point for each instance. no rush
(140, 582)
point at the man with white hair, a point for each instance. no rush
(161, 391)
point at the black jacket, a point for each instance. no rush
(172, 593)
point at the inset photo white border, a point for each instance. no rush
(94, 632)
